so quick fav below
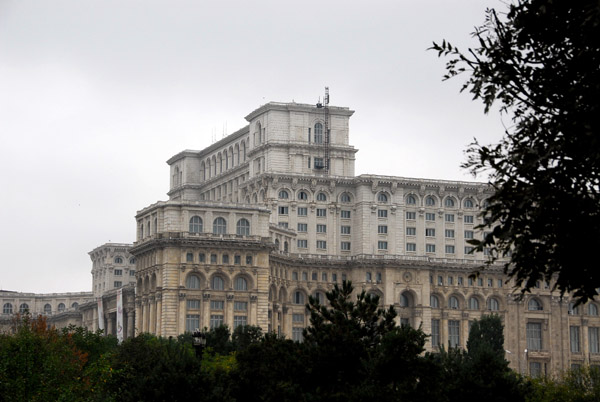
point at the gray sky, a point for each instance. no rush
(95, 96)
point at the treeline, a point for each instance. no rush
(352, 351)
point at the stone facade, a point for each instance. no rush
(310, 223)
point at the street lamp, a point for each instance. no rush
(199, 341)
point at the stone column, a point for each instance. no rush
(205, 318)
(138, 316)
(109, 324)
(130, 324)
(152, 315)
(158, 313)
(145, 314)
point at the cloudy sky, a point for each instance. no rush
(95, 96)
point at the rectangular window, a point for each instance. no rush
(411, 216)
(343, 277)
(225, 258)
(430, 248)
(294, 276)
(430, 232)
(535, 369)
(193, 304)
(449, 249)
(304, 276)
(314, 276)
(303, 227)
(321, 244)
(490, 283)
(297, 333)
(450, 280)
(382, 213)
(574, 337)
(411, 231)
(499, 283)
(345, 230)
(534, 335)
(378, 277)
(201, 257)
(459, 281)
(449, 233)
(382, 229)
(132, 273)
(302, 243)
(237, 259)
(382, 245)
(321, 212)
(440, 280)
(302, 211)
(216, 320)
(468, 218)
(321, 228)
(479, 281)
(468, 234)
(118, 284)
(283, 225)
(368, 277)
(449, 218)
(429, 216)
(283, 210)
(470, 281)
(298, 318)
(309, 141)
(213, 258)
(189, 257)
(411, 247)
(435, 332)
(345, 246)
(239, 320)
(118, 272)
(217, 304)
(248, 260)
(345, 214)
(319, 163)
(240, 306)
(453, 333)
(333, 277)
(324, 277)
(192, 322)
(594, 341)
(468, 250)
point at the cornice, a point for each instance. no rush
(298, 107)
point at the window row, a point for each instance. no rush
(430, 216)
(575, 339)
(217, 282)
(119, 260)
(214, 258)
(471, 281)
(473, 303)
(218, 163)
(303, 195)
(220, 226)
(432, 201)
(321, 212)
(7, 308)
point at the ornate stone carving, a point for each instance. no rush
(206, 296)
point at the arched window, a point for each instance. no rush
(321, 197)
(534, 305)
(220, 226)
(243, 227)
(430, 201)
(240, 283)
(468, 203)
(473, 303)
(132, 260)
(411, 200)
(192, 282)
(7, 309)
(345, 198)
(118, 260)
(453, 302)
(404, 300)
(320, 297)
(24, 308)
(573, 310)
(318, 133)
(493, 304)
(195, 224)
(61, 307)
(449, 202)
(302, 196)
(218, 283)
(592, 309)
(298, 297)
(283, 195)
(47, 308)
(434, 302)
(75, 305)
(382, 197)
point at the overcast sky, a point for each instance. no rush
(95, 96)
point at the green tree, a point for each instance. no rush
(541, 63)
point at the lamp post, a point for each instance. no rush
(199, 341)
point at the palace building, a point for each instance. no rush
(274, 213)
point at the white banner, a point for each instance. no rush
(100, 315)
(120, 315)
